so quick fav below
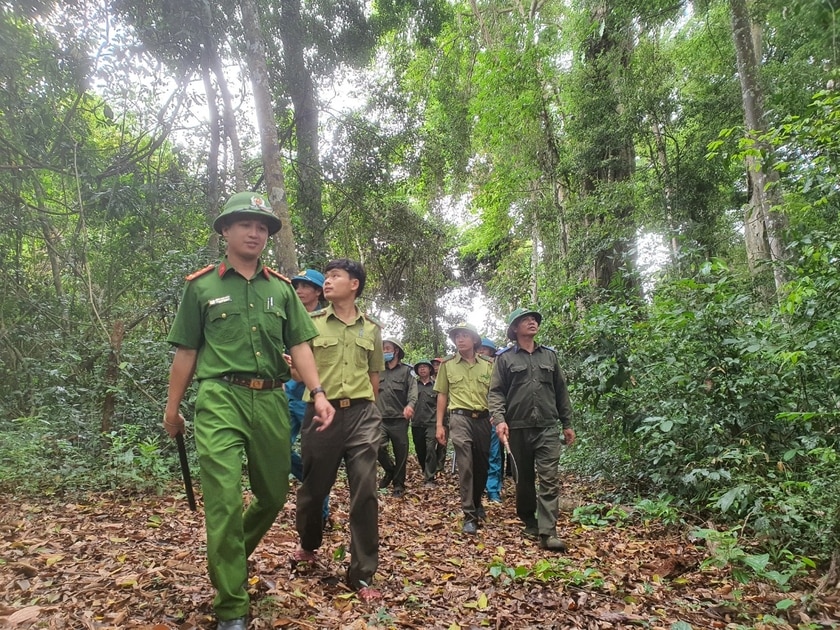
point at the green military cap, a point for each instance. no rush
(513, 318)
(423, 362)
(243, 205)
(465, 327)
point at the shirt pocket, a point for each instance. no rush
(363, 349)
(275, 321)
(547, 372)
(327, 350)
(518, 374)
(224, 323)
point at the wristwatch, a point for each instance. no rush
(318, 390)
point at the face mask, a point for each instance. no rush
(389, 356)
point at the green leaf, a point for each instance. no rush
(681, 625)
(784, 604)
(757, 562)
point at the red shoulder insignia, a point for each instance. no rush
(276, 274)
(200, 272)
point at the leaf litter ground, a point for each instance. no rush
(115, 562)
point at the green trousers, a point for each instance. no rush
(537, 453)
(232, 421)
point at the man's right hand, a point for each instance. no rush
(502, 432)
(440, 435)
(173, 423)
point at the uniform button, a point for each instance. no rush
(259, 354)
(224, 315)
(251, 306)
(253, 329)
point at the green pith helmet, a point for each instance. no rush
(424, 362)
(243, 205)
(397, 345)
(466, 328)
(518, 313)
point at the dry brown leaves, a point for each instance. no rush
(109, 563)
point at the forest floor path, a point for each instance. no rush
(111, 562)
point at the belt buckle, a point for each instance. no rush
(474, 415)
(256, 383)
(344, 403)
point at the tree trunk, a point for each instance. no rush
(284, 240)
(763, 226)
(213, 184)
(112, 375)
(304, 98)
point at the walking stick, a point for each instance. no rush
(504, 442)
(185, 470)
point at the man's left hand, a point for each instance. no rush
(408, 412)
(569, 435)
(324, 413)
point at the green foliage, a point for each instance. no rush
(547, 570)
(38, 457)
(725, 551)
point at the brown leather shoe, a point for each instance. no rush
(552, 543)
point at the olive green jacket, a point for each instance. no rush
(529, 390)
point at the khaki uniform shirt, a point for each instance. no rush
(239, 325)
(466, 384)
(529, 390)
(345, 354)
(397, 389)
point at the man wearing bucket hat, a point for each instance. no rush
(423, 422)
(529, 401)
(494, 471)
(462, 386)
(234, 323)
(396, 401)
(309, 286)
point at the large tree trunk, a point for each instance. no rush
(213, 183)
(304, 98)
(602, 51)
(763, 225)
(284, 240)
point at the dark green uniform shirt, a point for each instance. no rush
(426, 409)
(346, 354)
(238, 325)
(528, 389)
(465, 383)
(397, 389)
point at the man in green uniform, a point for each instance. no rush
(396, 401)
(348, 353)
(235, 320)
(423, 422)
(528, 399)
(462, 386)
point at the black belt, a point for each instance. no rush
(252, 382)
(470, 413)
(343, 403)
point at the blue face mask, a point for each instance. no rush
(389, 356)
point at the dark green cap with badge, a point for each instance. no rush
(247, 205)
(515, 316)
